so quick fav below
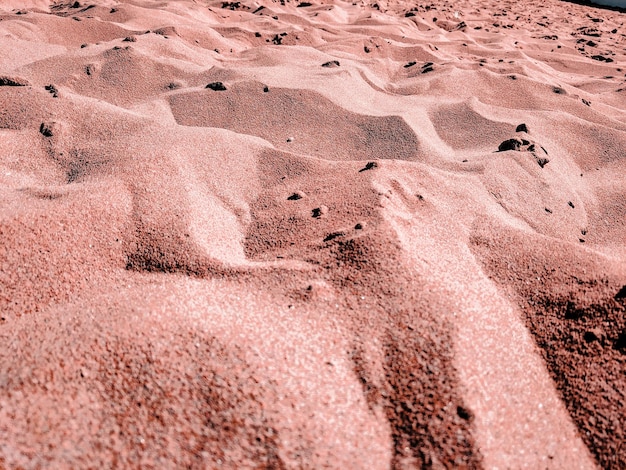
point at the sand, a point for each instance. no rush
(274, 234)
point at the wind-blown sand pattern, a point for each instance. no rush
(271, 234)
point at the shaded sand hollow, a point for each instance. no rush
(325, 234)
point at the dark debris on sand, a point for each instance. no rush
(216, 86)
(13, 81)
(524, 145)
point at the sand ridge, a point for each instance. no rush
(315, 234)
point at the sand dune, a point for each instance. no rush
(275, 234)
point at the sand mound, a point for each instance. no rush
(302, 234)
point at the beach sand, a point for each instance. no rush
(325, 234)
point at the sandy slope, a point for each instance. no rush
(283, 235)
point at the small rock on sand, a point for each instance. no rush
(369, 166)
(297, 196)
(54, 91)
(332, 236)
(47, 129)
(542, 161)
(319, 212)
(13, 81)
(216, 86)
(510, 144)
(594, 334)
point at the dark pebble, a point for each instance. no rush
(510, 144)
(369, 166)
(464, 413)
(216, 86)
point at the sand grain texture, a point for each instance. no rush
(280, 234)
